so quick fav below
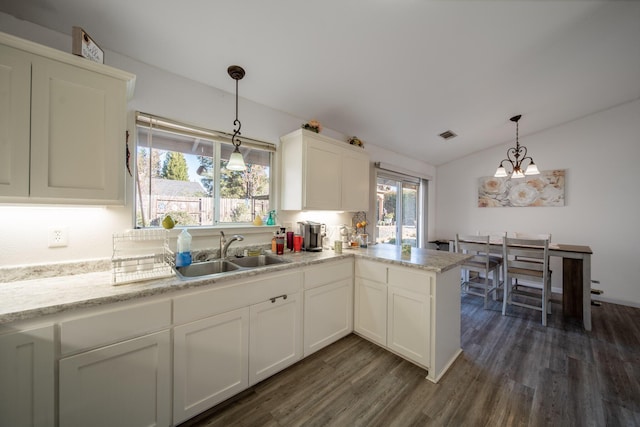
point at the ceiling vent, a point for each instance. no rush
(448, 135)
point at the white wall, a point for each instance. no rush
(600, 153)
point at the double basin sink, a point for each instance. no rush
(218, 267)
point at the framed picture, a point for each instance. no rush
(83, 45)
(545, 189)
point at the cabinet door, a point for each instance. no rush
(211, 362)
(15, 93)
(125, 384)
(27, 378)
(78, 121)
(323, 189)
(328, 314)
(408, 324)
(370, 315)
(275, 336)
(355, 182)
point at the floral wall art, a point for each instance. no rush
(545, 189)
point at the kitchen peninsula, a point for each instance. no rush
(408, 306)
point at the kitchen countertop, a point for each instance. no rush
(29, 299)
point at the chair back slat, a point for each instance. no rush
(532, 254)
(478, 246)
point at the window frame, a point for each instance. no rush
(400, 179)
(218, 139)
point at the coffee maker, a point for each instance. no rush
(312, 234)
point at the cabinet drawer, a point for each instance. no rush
(199, 305)
(113, 325)
(371, 270)
(411, 279)
(327, 273)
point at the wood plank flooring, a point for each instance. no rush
(513, 372)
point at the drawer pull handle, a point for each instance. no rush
(273, 300)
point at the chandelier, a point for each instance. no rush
(236, 162)
(513, 158)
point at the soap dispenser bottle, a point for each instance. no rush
(271, 220)
(183, 257)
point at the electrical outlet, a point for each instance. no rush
(58, 237)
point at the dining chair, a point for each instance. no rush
(482, 263)
(542, 236)
(527, 262)
(494, 237)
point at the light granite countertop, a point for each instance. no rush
(29, 299)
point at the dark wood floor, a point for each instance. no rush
(513, 371)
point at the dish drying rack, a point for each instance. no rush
(140, 255)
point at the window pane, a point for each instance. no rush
(245, 194)
(386, 222)
(398, 211)
(410, 213)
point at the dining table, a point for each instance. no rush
(576, 277)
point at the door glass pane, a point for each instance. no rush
(387, 191)
(410, 214)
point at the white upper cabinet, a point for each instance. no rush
(62, 127)
(15, 107)
(320, 173)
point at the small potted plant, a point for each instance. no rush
(313, 126)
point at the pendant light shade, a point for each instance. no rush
(236, 162)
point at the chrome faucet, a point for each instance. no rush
(224, 244)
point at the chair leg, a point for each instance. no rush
(486, 292)
(544, 307)
(496, 283)
(505, 295)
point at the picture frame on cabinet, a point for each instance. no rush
(83, 45)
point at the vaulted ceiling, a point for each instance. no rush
(396, 73)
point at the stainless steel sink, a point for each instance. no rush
(258, 261)
(221, 266)
(206, 268)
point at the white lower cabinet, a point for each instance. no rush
(115, 366)
(124, 384)
(408, 331)
(370, 315)
(210, 362)
(275, 335)
(328, 304)
(396, 308)
(27, 378)
(328, 314)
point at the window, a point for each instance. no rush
(399, 209)
(180, 171)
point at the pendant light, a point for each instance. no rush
(236, 162)
(513, 157)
